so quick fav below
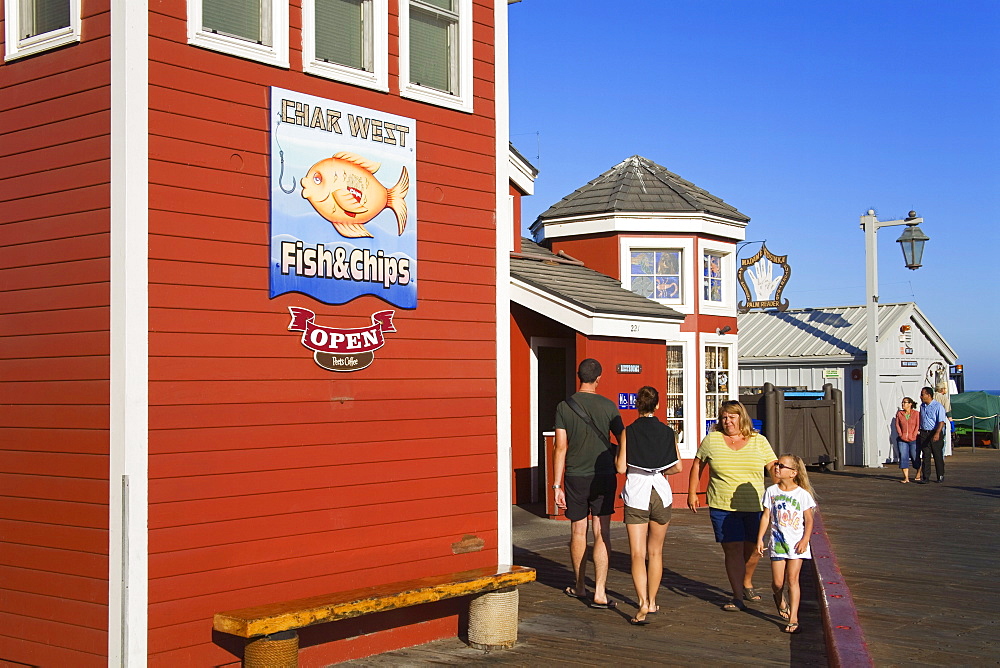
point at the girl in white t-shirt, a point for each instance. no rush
(788, 520)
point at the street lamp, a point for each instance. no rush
(912, 242)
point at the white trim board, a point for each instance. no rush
(128, 549)
(504, 240)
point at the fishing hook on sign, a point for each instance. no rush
(281, 158)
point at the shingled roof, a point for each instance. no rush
(640, 185)
(587, 289)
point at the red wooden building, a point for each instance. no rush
(175, 440)
(644, 280)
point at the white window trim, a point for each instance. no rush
(378, 78)
(276, 54)
(464, 100)
(19, 48)
(686, 246)
(727, 306)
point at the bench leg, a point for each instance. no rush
(493, 619)
(278, 650)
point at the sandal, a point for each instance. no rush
(792, 627)
(750, 594)
(734, 606)
(571, 592)
(782, 606)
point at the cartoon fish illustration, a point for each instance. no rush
(344, 190)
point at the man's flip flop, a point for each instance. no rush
(734, 606)
(638, 622)
(750, 594)
(610, 605)
(569, 591)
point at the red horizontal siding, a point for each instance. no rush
(54, 296)
(270, 477)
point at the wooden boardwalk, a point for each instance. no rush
(919, 560)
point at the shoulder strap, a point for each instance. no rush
(579, 410)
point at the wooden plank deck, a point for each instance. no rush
(919, 560)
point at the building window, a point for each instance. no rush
(436, 52)
(656, 274)
(717, 375)
(712, 277)
(254, 29)
(32, 26)
(347, 40)
(673, 399)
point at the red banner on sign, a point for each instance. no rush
(340, 341)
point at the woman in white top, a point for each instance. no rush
(647, 454)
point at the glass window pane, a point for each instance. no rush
(45, 16)
(448, 5)
(643, 286)
(430, 50)
(236, 18)
(340, 32)
(642, 262)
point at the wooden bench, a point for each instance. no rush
(280, 618)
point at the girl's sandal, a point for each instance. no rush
(779, 603)
(792, 627)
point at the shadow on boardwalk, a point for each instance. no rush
(920, 561)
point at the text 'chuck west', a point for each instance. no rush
(358, 265)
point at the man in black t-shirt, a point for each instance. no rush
(585, 481)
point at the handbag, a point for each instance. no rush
(579, 410)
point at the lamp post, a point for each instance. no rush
(912, 242)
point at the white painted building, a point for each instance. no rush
(806, 348)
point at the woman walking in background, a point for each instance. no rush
(907, 428)
(648, 452)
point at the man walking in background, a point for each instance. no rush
(930, 440)
(584, 477)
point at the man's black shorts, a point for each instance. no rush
(590, 494)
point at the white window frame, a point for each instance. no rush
(685, 303)
(20, 47)
(727, 306)
(716, 341)
(377, 36)
(276, 54)
(463, 101)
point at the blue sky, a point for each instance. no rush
(802, 115)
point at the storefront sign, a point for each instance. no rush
(832, 374)
(629, 368)
(343, 201)
(626, 400)
(766, 286)
(341, 349)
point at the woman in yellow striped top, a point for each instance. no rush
(736, 456)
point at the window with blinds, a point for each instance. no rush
(254, 29)
(340, 30)
(32, 26)
(41, 16)
(243, 19)
(436, 42)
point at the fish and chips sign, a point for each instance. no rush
(767, 286)
(343, 216)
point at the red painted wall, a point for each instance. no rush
(54, 364)
(272, 478)
(599, 252)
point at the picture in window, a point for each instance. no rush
(717, 374)
(656, 274)
(713, 277)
